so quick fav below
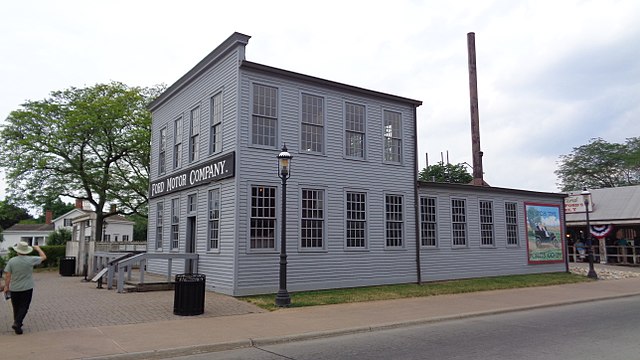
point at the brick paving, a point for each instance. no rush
(69, 302)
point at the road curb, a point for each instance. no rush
(266, 341)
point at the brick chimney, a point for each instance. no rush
(48, 217)
(79, 204)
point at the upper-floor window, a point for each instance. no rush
(67, 222)
(354, 130)
(486, 223)
(177, 143)
(213, 228)
(263, 217)
(159, 216)
(125, 237)
(194, 136)
(192, 203)
(428, 229)
(394, 220)
(162, 147)
(356, 214)
(511, 218)
(106, 237)
(312, 219)
(264, 121)
(459, 222)
(215, 132)
(312, 132)
(175, 223)
(392, 136)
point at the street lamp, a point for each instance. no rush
(585, 198)
(282, 298)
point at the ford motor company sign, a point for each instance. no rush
(213, 170)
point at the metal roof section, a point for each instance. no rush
(619, 205)
(487, 189)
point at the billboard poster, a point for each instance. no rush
(544, 233)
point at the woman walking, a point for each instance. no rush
(19, 281)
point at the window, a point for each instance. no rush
(312, 134)
(177, 147)
(159, 216)
(214, 219)
(354, 130)
(263, 217)
(106, 237)
(175, 222)
(428, 228)
(264, 121)
(459, 222)
(486, 223)
(215, 133)
(511, 217)
(194, 146)
(67, 222)
(356, 220)
(392, 136)
(192, 201)
(312, 219)
(394, 220)
(162, 152)
(125, 237)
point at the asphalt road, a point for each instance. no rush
(596, 330)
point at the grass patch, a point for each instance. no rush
(388, 292)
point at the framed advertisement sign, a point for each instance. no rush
(544, 233)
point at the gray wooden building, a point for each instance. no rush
(354, 210)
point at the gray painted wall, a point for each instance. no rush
(446, 262)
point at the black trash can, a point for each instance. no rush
(189, 294)
(68, 266)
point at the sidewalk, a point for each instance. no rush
(187, 335)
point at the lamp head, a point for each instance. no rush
(585, 195)
(283, 161)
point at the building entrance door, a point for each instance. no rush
(189, 266)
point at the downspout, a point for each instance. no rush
(416, 202)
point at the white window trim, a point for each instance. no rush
(437, 239)
(344, 131)
(277, 225)
(493, 223)
(324, 219)
(323, 125)
(367, 220)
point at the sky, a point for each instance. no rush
(551, 74)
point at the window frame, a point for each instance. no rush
(159, 224)
(390, 139)
(162, 151)
(351, 130)
(215, 122)
(393, 224)
(511, 223)
(428, 218)
(362, 209)
(178, 128)
(213, 220)
(174, 240)
(487, 223)
(306, 122)
(269, 220)
(273, 117)
(455, 220)
(310, 205)
(195, 119)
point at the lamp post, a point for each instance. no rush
(585, 198)
(282, 298)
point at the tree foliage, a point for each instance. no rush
(450, 173)
(88, 143)
(59, 237)
(600, 164)
(11, 214)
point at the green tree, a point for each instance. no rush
(59, 237)
(11, 214)
(139, 227)
(600, 164)
(86, 143)
(441, 172)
